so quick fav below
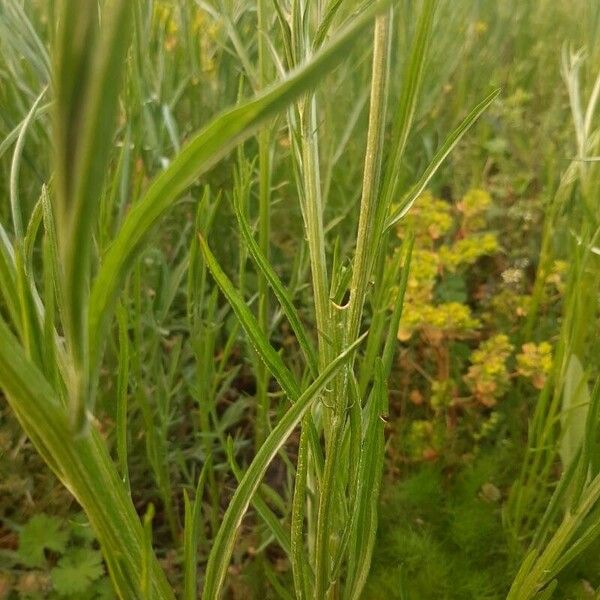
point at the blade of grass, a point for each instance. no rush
(441, 155)
(84, 114)
(261, 345)
(193, 517)
(259, 504)
(84, 467)
(220, 554)
(262, 262)
(196, 157)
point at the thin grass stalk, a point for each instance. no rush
(262, 425)
(313, 216)
(360, 277)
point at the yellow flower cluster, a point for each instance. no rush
(468, 250)
(473, 206)
(449, 318)
(424, 268)
(488, 377)
(432, 220)
(535, 362)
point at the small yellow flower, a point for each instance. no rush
(488, 377)
(535, 363)
(480, 27)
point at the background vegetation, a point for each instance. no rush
(202, 335)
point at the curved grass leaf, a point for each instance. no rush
(16, 131)
(439, 157)
(261, 344)
(83, 465)
(15, 204)
(279, 290)
(266, 352)
(200, 154)
(220, 554)
(262, 508)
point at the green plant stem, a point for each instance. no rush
(363, 260)
(313, 215)
(264, 232)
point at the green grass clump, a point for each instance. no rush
(298, 299)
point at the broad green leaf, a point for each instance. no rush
(76, 571)
(41, 532)
(220, 554)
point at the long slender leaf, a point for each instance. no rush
(261, 344)
(199, 155)
(83, 465)
(193, 515)
(439, 157)
(278, 288)
(222, 549)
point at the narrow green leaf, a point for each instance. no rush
(15, 204)
(218, 560)
(391, 342)
(266, 352)
(279, 290)
(197, 156)
(262, 508)
(439, 157)
(298, 554)
(15, 132)
(193, 517)
(411, 86)
(261, 344)
(122, 393)
(370, 473)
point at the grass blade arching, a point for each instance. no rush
(199, 155)
(222, 549)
